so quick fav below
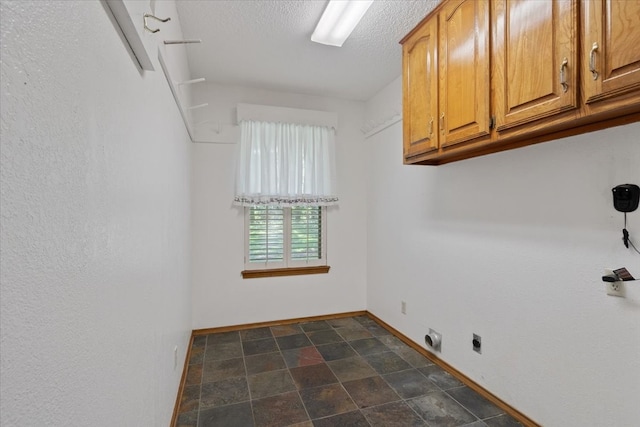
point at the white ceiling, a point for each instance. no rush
(266, 44)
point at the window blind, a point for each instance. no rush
(306, 229)
(285, 237)
(266, 234)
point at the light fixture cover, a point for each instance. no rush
(338, 21)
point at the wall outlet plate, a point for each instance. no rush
(477, 343)
(614, 289)
(175, 357)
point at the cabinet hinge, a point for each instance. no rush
(492, 122)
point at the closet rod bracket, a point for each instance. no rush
(148, 15)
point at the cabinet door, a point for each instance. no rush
(611, 48)
(535, 54)
(464, 71)
(420, 91)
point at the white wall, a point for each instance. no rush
(220, 296)
(95, 224)
(511, 246)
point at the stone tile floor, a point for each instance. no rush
(347, 372)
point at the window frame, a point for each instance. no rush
(288, 266)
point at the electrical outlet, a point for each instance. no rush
(614, 289)
(175, 357)
(477, 343)
(403, 307)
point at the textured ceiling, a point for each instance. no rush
(266, 44)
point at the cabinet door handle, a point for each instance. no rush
(431, 126)
(563, 79)
(442, 123)
(592, 61)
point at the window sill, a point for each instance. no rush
(275, 272)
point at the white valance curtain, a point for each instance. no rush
(285, 164)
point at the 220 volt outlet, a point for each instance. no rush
(477, 343)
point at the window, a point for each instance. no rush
(285, 179)
(285, 238)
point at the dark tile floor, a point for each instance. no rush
(346, 372)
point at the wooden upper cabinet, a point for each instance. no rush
(481, 76)
(535, 70)
(610, 48)
(464, 71)
(420, 91)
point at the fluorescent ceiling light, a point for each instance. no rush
(338, 21)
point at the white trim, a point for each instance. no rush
(373, 128)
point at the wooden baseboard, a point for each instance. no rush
(277, 323)
(183, 381)
(522, 418)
